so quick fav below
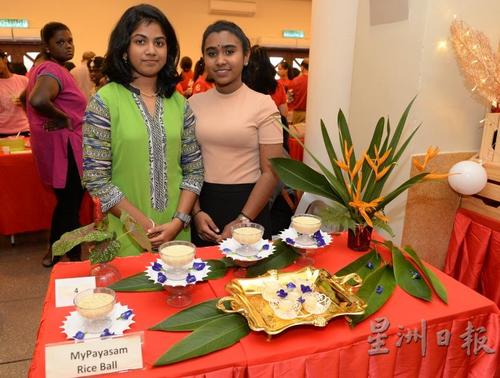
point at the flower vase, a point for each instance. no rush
(360, 238)
(105, 274)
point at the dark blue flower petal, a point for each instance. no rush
(317, 234)
(415, 275)
(161, 278)
(157, 267)
(320, 243)
(301, 300)
(106, 332)
(379, 289)
(369, 265)
(265, 247)
(125, 315)
(290, 241)
(291, 285)
(199, 265)
(281, 293)
(305, 289)
(227, 250)
(79, 335)
(190, 278)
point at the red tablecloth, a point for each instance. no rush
(334, 351)
(25, 203)
(474, 253)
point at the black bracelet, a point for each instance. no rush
(246, 216)
(196, 213)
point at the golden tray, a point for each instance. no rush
(247, 300)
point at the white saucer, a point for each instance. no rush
(122, 319)
(156, 272)
(229, 246)
(289, 236)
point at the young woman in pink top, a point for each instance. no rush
(55, 110)
(238, 130)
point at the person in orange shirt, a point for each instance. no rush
(201, 82)
(298, 91)
(283, 71)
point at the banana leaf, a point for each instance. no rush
(363, 266)
(138, 282)
(71, 239)
(429, 274)
(408, 278)
(191, 318)
(299, 176)
(217, 334)
(281, 258)
(218, 269)
(377, 288)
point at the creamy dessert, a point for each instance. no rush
(306, 223)
(247, 234)
(177, 255)
(94, 305)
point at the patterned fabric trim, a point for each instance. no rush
(97, 154)
(191, 159)
(157, 158)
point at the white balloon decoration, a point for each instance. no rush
(467, 177)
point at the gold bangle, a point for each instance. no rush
(152, 222)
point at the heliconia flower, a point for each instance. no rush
(199, 265)
(79, 335)
(381, 216)
(357, 166)
(436, 176)
(384, 157)
(157, 267)
(381, 174)
(342, 165)
(371, 163)
(419, 166)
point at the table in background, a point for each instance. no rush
(474, 253)
(26, 204)
(334, 351)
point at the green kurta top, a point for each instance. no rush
(139, 153)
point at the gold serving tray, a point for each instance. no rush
(247, 300)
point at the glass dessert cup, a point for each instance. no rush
(247, 234)
(178, 296)
(178, 257)
(95, 306)
(306, 225)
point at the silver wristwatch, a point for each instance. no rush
(183, 217)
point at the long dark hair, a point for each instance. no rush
(231, 27)
(119, 70)
(47, 32)
(260, 72)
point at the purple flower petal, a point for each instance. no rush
(415, 275)
(290, 241)
(199, 265)
(265, 247)
(190, 278)
(318, 235)
(125, 315)
(157, 267)
(291, 285)
(379, 289)
(161, 278)
(369, 265)
(227, 250)
(79, 335)
(305, 289)
(281, 293)
(106, 332)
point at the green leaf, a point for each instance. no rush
(399, 129)
(429, 274)
(218, 269)
(360, 265)
(381, 225)
(376, 290)
(281, 258)
(299, 176)
(336, 214)
(71, 239)
(137, 282)
(331, 153)
(136, 231)
(104, 251)
(191, 318)
(376, 138)
(404, 186)
(405, 277)
(217, 334)
(345, 137)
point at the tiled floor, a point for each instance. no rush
(23, 283)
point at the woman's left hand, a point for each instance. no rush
(164, 232)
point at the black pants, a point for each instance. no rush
(224, 203)
(66, 213)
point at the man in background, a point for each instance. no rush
(81, 75)
(297, 89)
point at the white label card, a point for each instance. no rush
(94, 356)
(67, 288)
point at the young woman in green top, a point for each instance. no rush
(140, 151)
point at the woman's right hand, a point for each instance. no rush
(206, 228)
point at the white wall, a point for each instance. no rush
(394, 62)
